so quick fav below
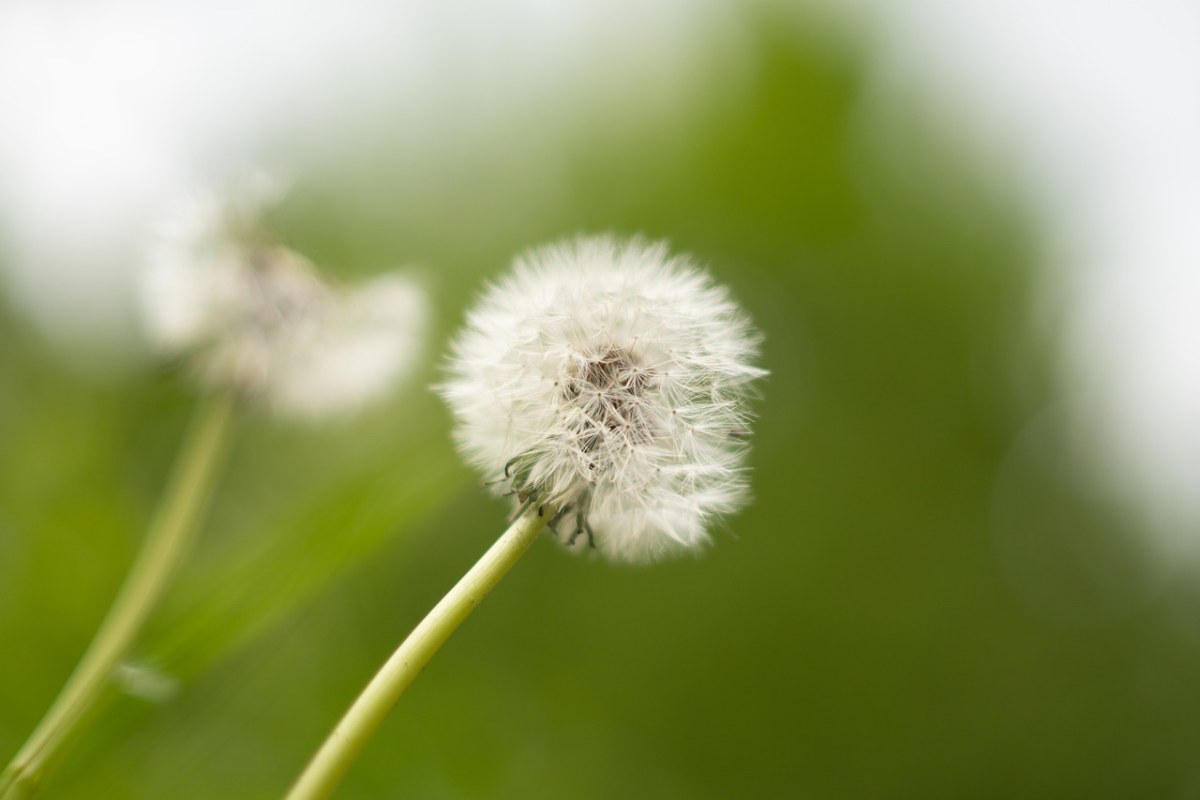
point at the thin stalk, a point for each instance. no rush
(327, 768)
(168, 539)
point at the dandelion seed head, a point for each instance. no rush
(609, 379)
(251, 315)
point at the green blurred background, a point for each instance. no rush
(923, 600)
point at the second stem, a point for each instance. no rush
(167, 540)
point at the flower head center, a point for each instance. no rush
(604, 393)
(285, 291)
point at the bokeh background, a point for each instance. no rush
(967, 230)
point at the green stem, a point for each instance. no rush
(170, 534)
(327, 768)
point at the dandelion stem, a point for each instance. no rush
(330, 764)
(170, 534)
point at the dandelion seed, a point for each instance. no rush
(145, 681)
(253, 316)
(609, 380)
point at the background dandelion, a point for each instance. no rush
(246, 314)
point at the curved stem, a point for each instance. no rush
(170, 534)
(327, 768)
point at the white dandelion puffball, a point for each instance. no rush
(609, 381)
(254, 317)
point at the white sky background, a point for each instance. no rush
(1095, 108)
(108, 107)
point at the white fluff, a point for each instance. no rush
(254, 317)
(609, 380)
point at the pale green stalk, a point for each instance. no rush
(171, 532)
(327, 768)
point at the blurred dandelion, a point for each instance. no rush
(252, 316)
(254, 324)
(606, 382)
